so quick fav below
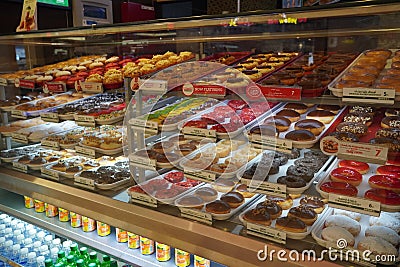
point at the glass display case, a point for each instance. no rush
(348, 29)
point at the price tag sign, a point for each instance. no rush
(197, 215)
(51, 174)
(19, 114)
(20, 138)
(355, 204)
(87, 186)
(83, 120)
(266, 188)
(50, 117)
(28, 84)
(89, 87)
(50, 144)
(154, 85)
(266, 232)
(3, 82)
(200, 175)
(282, 93)
(55, 87)
(197, 132)
(144, 125)
(270, 142)
(86, 152)
(20, 167)
(143, 199)
(369, 95)
(189, 89)
(362, 152)
(142, 161)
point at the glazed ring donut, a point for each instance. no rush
(310, 163)
(389, 170)
(292, 181)
(361, 167)
(339, 188)
(385, 182)
(384, 196)
(300, 171)
(347, 175)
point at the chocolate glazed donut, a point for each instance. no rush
(292, 181)
(300, 171)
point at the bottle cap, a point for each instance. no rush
(20, 238)
(21, 225)
(48, 238)
(28, 241)
(32, 232)
(2, 226)
(106, 258)
(41, 235)
(17, 232)
(93, 254)
(31, 255)
(29, 227)
(61, 254)
(83, 249)
(44, 248)
(9, 243)
(16, 247)
(56, 241)
(74, 246)
(24, 250)
(66, 244)
(37, 244)
(3, 216)
(8, 231)
(70, 258)
(58, 265)
(48, 262)
(80, 262)
(92, 264)
(40, 259)
(7, 220)
(54, 251)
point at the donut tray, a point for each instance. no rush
(364, 221)
(109, 152)
(172, 199)
(362, 188)
(232, 154)
(292, 235)
(282, 172)
(339, 92)
(36, 147)
(233, 211)
(38, 140)
(229, 135)
(303, 144)
(69, 175)
(37, 167)
(103, 186)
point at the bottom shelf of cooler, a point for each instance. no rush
(13, 204)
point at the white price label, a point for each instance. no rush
(362, 152)
(266, 233)
(20, 138)
(137, 160)
(20, 114)
(355, 204)
(86, 152)
(197, 215)
(3, 82)
(50, 144)
(50, 117)
(193, 131)
(369, 95)
(143, 199)
(84, 118)
(87, 186)
(143, 124)
(203, 176)
(89, 87)
(267, 188)
(20, 167)
(270, 142)
(154, 85)
(83, 180)
(54, 175)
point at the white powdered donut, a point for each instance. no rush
(384, 232)
(344, 222)
(334, 233)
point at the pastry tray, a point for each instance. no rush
(221, 160)
(34, 140)
(110, 120)
(362, 188)
(233, 211)
(8, 134)
(339, 92)
(230, 135)
(282, 172)
(108, 152)
(364, 222)
(8, 160)
(61, 173)
(172, 199)
(305, 144)
(292, 235)
(35, 167)
(104, 186)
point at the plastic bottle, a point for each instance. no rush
(32, 234)
(48, 263)
(8, 233)
(114, 264)
(8, 245)
(44, 251)
(2, 230)
(16, 249)
(74, 251)
(54, 254)
(36, 246)
(28, 243)
(7, 221)
(93, 258)
(92, 265)
(23, 256)
(31, 260)
(40, 261)
(56, 243)
(40, 236)
(65, 246)
(62, 259)
(15, 234)
(71, 261)
(58, 265)
(48, 240)
(84, 254)
(80, 263)
(106, 261)
(20, 239)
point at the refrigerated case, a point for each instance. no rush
(344, 27)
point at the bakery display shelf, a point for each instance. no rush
(289, 234)
(361, 189)
(267, 186)
(364, 222)
(10, 159)
(257, 140)
(12, 203)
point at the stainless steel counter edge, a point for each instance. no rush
(196, 238)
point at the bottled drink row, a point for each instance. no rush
(147, 247)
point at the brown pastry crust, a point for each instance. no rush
(234, 199)
(314, 126)
(284, 203)
(312, 202)
(218, 207)
(289, 114)
(306, 214)
(391, 122)
(272, 208)
(206, 193)
(298, 107)
(291, 224)
(280, 122)
(258, 216)
(332, 108)
(300, 135)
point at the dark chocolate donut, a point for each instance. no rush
(311, 163)
(300, 171)
(292, 181)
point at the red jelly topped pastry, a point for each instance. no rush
(347, 175)
(361, 167)
(384, 196)
(174, 177)
(385, 182)
(339, 188)
(389, 170)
